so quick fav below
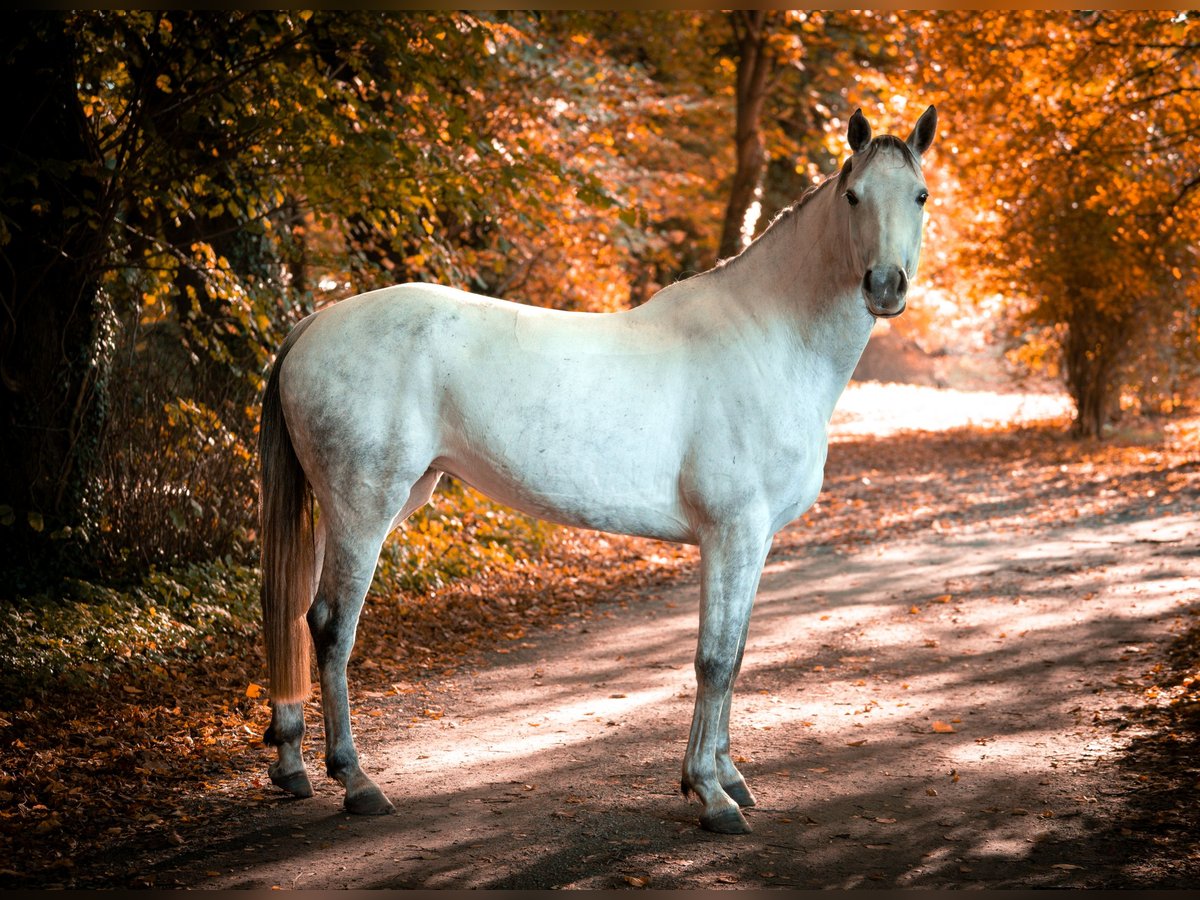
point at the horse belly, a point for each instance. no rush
(579, 454)
(601, 510)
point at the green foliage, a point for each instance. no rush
(89, 632)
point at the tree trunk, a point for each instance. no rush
(753, 66)
(1090, 351)
(52, 369)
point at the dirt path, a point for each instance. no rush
(557, 766)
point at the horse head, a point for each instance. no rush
(884, 191)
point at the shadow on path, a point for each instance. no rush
(949, 714)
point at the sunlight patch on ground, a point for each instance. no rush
(551, 727)
(878, 409)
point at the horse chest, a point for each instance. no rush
(770, 464)
(797, 480)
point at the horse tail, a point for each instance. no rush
(287, 544)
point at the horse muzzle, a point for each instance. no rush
(884, 290)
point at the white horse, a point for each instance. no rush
(698, 417)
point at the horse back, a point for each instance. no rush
(573, 417)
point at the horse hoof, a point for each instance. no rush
(725, 821)
(295, 783)
(369, 802)
(739, 793)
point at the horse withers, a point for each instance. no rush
(698, 417)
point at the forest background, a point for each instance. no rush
(178, 188)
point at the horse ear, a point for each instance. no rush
(859, 132)
(923, 131)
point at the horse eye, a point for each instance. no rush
(852, 198)
(922, 197)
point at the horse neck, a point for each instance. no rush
(799, 283)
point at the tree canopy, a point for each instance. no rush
(1080, 140)
(179, 187)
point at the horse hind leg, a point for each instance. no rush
(286, 732)
(333, 619)
(420, 494)
(351, 554)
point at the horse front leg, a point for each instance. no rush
(333, 620)
(731, 779)
(731, 565)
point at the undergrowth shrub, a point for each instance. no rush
(458, 535)
(176, 479)
(86, 631)
(192, 498)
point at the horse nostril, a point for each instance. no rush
(884, 290)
